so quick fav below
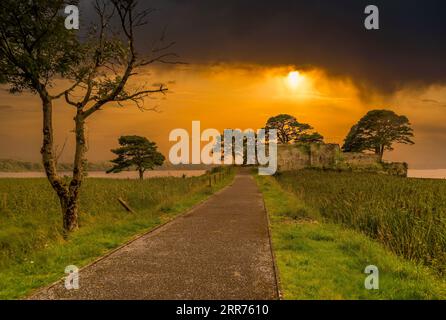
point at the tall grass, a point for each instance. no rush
(30, 216)
(406, 215)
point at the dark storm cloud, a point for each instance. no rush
(410, 48)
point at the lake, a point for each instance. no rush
(412, 173)
(427, 173)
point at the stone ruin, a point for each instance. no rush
(330, 157)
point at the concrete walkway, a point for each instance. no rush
(220, 250)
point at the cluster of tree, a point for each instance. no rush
(289, 130)
(377, 132)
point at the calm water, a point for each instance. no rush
(413, 173)
(121, 175)
(432, 174)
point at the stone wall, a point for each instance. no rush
(293, 157)
(360, 159)
(324, 155)
(329, 156)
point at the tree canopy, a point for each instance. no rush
(377, 131)
(137, 152)
(35, 46)
(289, 130)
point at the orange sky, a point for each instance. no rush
(232, 96)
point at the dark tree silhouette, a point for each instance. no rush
(377, 131)
(137, 152)
(290, 130)
(247, 144)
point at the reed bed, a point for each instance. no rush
(407, 215)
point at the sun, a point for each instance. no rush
(294, 79)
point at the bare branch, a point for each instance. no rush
(142, 94)
(77, 83)
(67, 99)
(133, 97)
(162, 59)
(164, 48)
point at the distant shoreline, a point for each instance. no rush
(412, 173)
(17, 166)
(427, 173)
(102, 174)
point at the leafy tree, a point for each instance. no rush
(136, 152)
(290, 130)
(36, 49)
(247, 143)
(313, 137)
(377, 131)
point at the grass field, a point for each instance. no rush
(323, 260)
(33, 252)
(408, 216)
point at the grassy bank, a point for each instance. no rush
(408, 216)
(319, 260)
(33, 252)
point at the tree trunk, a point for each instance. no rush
(68, 195)
(381, 153)
(47, 151)
(141, 174)
(48, 157)
(70, 211)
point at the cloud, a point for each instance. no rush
(435, 102)
(409, 48)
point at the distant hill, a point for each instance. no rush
(10, 165)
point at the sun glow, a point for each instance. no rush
(294, 79)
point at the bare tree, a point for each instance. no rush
(36, 50)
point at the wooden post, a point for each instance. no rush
(215, 179)
(125, 205)
(210, 180)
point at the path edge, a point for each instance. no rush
(276, 268)
(129, 242)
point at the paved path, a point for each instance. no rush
(220, 250)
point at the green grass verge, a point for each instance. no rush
(406, 215)
(32, 250)
(319, 260)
